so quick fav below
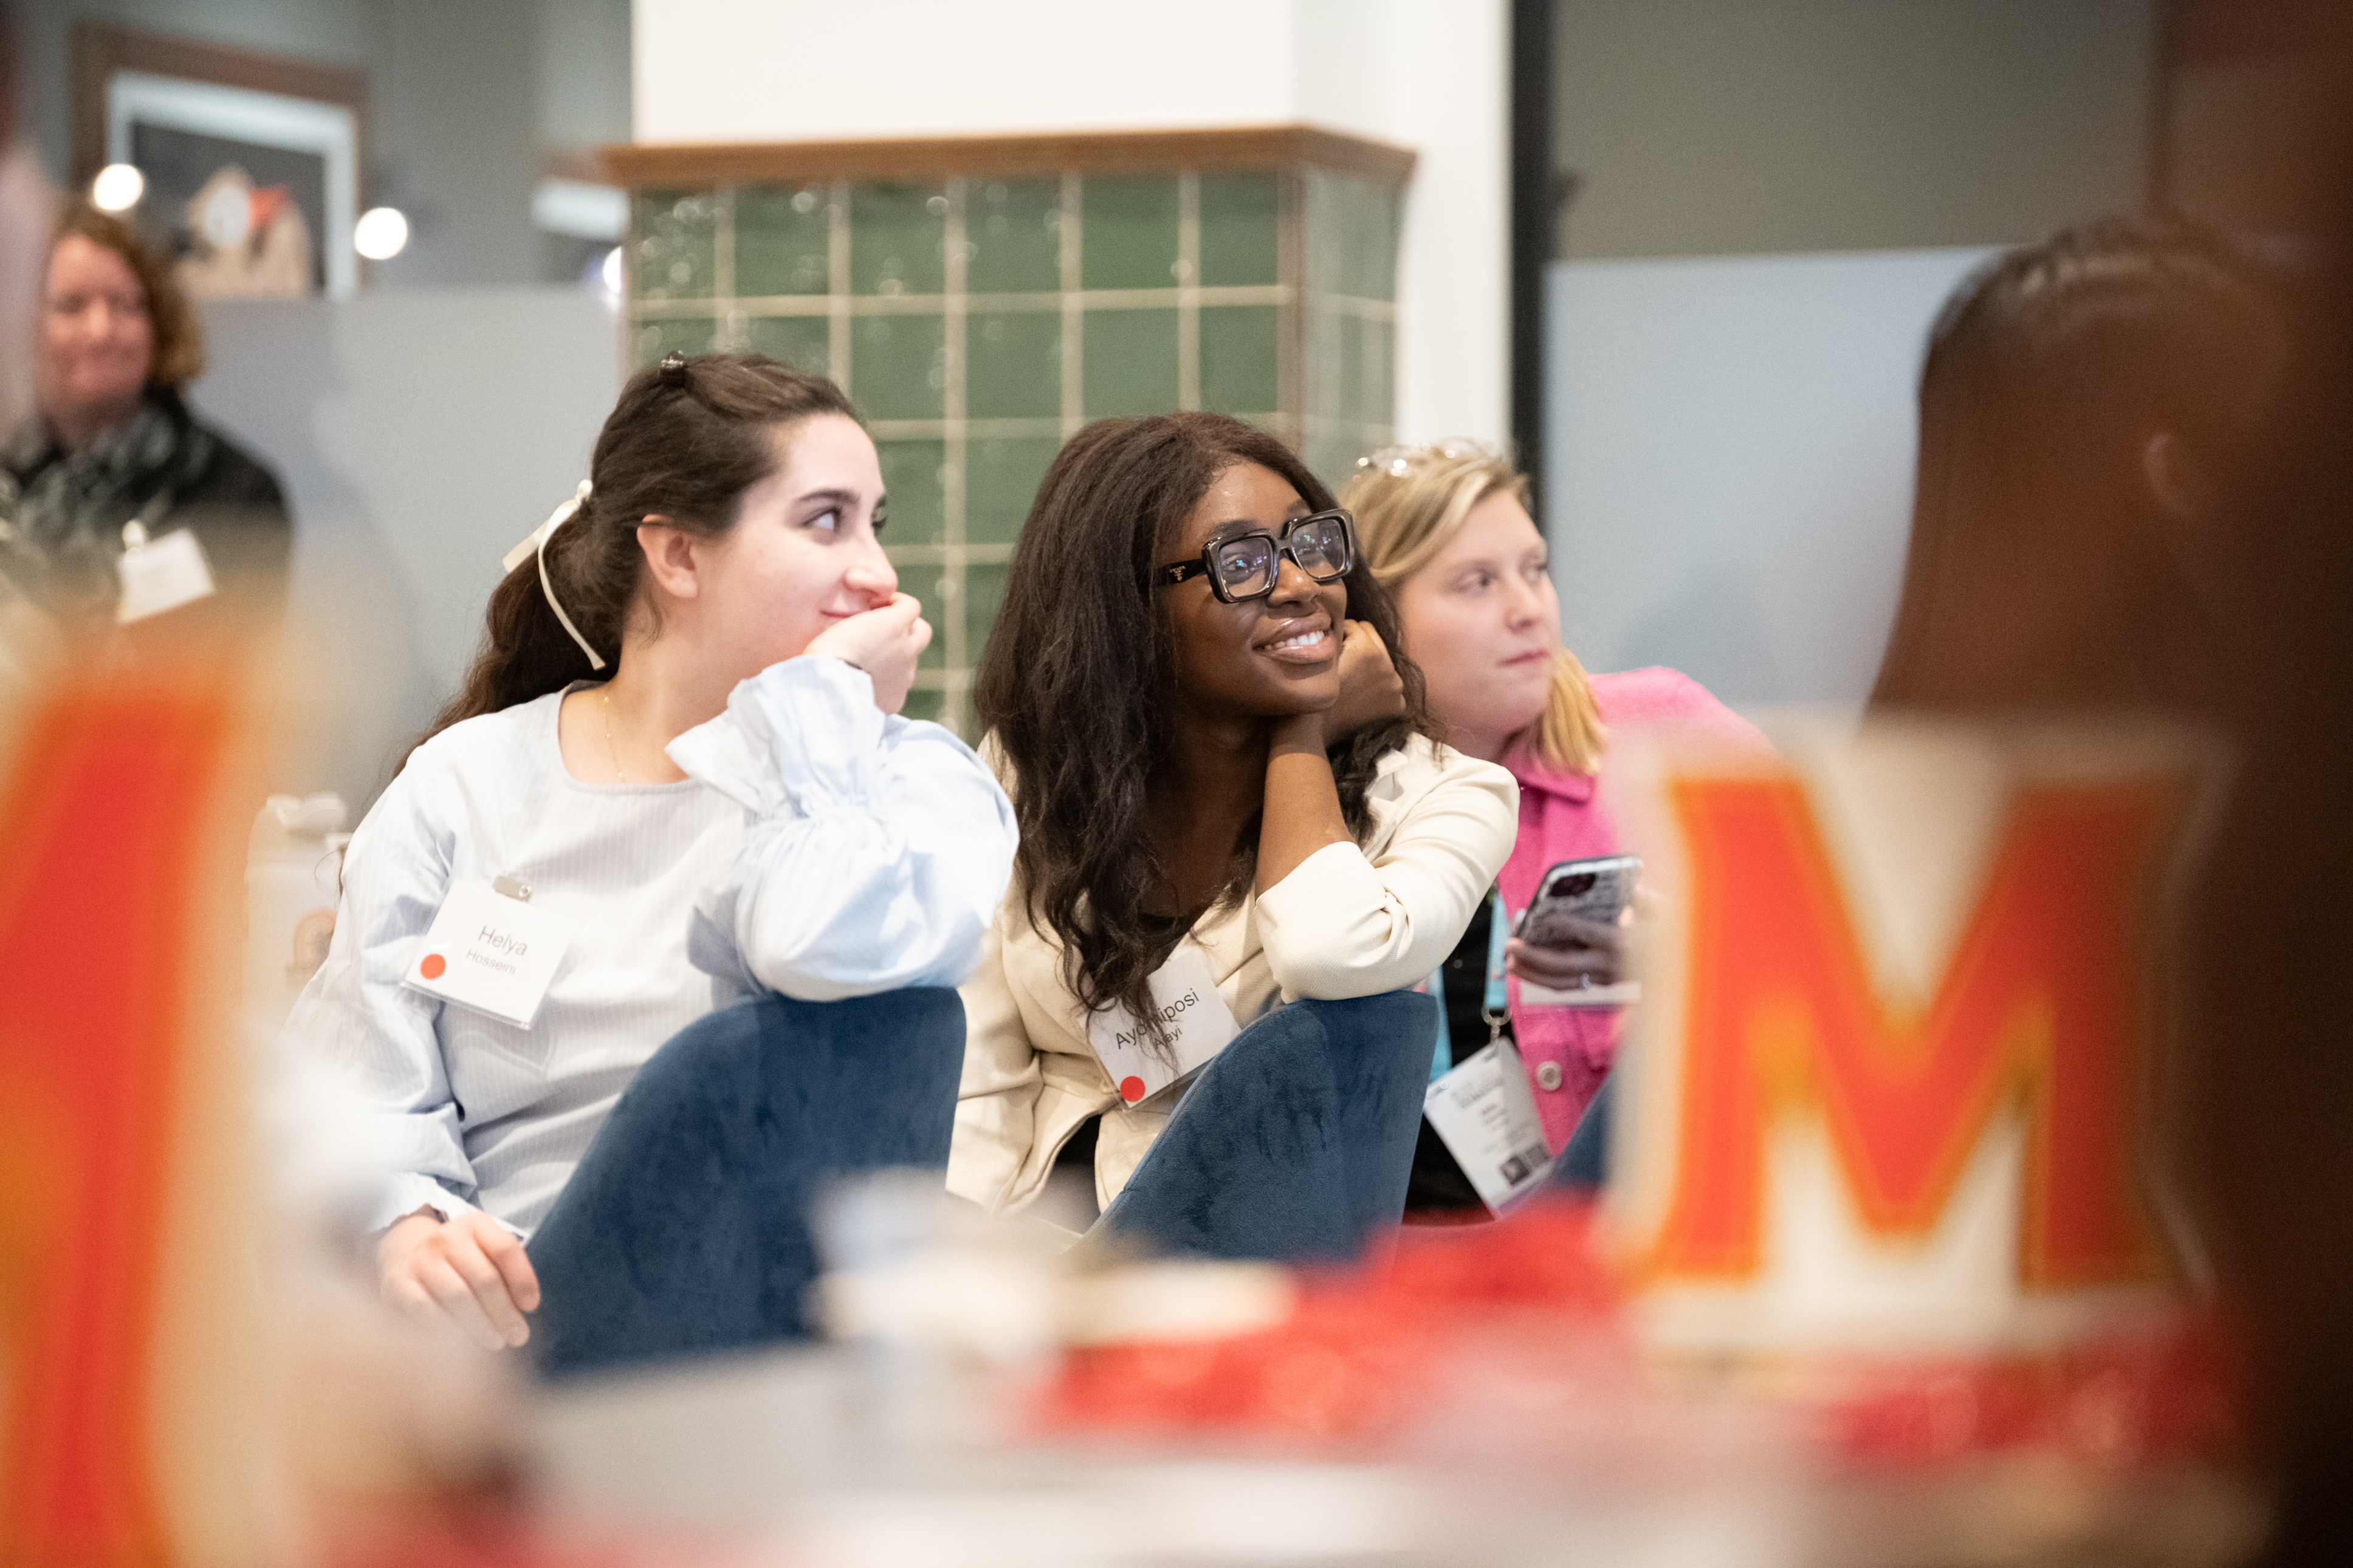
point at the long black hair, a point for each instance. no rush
(686, 441)
(2040, 572)
(1075, 686)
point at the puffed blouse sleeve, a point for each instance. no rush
(1346, 922)
(876, 848)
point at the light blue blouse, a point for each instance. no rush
(818, 848)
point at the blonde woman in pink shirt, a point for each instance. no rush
(1446, 529)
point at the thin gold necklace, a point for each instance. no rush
(605, 693)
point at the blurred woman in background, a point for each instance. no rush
(113, 459)
(1446, 529)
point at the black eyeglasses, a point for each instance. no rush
(1246, 565)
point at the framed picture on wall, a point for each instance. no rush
(250, 162)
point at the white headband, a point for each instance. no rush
(535, 543)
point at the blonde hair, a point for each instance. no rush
(1409, 502)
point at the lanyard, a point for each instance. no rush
(1494, 1000)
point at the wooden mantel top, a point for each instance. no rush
(644, 164)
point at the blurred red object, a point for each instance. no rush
(2166, 1391)
(1355, 1359)
(1364, 1351)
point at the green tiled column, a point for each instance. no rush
(979, 320)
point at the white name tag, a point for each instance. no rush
(490, 952)
(161, 575)
(1199, 1022)
(1484, 1112)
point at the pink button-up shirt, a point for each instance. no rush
(1567, 816)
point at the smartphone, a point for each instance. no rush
(1594, 889)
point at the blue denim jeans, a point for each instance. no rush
(685, 1230)
(1295, 1141)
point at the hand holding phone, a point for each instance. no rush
(1570, 937)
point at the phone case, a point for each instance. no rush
(1595, 889)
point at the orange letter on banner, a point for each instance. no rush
(99, 815)
(2045, 1007)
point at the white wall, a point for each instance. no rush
(1731, 447)
(418, 435)
(1433, 76)
(1428, 74)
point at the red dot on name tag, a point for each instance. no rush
(432, 967)
(1131, 1090)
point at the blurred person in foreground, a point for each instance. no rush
(2268, 1094)
(2137, 493)
(111, 461)
(2083, 402)
(1446, 529)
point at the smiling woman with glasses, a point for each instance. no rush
(1220, 771)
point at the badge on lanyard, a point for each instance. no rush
(160, 575)
(1488, 1119)
(1200, 1024)
(489, 950)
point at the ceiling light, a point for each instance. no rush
(117, 188)
(381, 234)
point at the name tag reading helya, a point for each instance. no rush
(1200, 1024)
(491, 952)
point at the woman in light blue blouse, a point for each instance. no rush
(678, 754)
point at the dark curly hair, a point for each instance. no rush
(686, 442)
(1075, 687)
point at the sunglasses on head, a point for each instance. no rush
(1247, 565)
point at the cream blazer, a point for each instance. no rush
(1348, 922)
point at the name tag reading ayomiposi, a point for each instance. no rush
(1487, 1116)
(1199, 1025)
(490, 952)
